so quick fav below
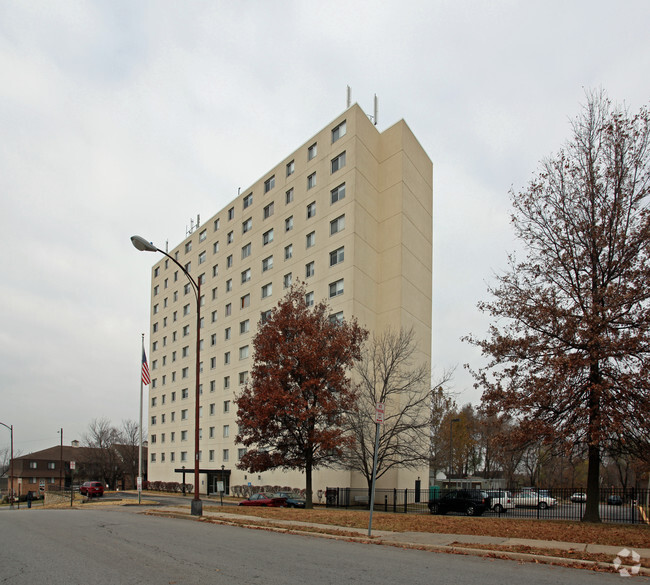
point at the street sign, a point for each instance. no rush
(380, 410)
(72, 465)
(139, 483)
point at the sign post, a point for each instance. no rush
(380, 410)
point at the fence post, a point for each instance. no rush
(406, 500)
(385, 502)
(394, 499)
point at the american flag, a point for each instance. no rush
(145, 369)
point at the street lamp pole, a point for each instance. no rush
(11, 464)
(451, 445)
(144, 246)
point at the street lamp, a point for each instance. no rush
(144, 246)
(451, 445)
(11, 464)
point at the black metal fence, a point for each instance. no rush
(630, 506)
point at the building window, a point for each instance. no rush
(267, 263)
(336, 317)
(245, 301)
(229, 261)
(226, 382)
(246, 275)
(226, 406)
(243, 352)
(153, 458)
(267, 237)
(188, 246)
(230, 237)
(212, 409)
(188, 267)
(216, 224)
(311, 209)
(155, 309)
(247, 225)
(51, 465)
(185, 351)
(248, 200)
(215, 270)
(186, 309)
(309, 299)
(288, 224)
(311, 181)
(291, 168)
(203, 235)
(338, 193)
(156, 289)
(226, 333)
(246, 251)
(228, 309)
(214, 318)
(244, 327)
(184, 414)
(185, 372)
(186, 330)
(336, 288)
(183, 456)
(32, 464)
(226, 431)
(312, 151)
(337, 256)
(211, 454)
(287, 280)
(231, 213)
(268, 210)
(337, 225)
(309, 269)
(311, 239)
(269, 184)
(288, 251)
(224, 455)
(339, 131)
(289, 196)
(213, 363)
(226, 358)
(267, 290)
(240, 453)
(338, 162)
(229, 285)
(243, 378)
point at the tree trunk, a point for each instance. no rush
(592, 511)
(308, 485)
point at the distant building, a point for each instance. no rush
(349, 212)
(49, 469)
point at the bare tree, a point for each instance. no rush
(128, 449)
(102, 436)
(571, 339)
(388, 375)
(442, 405)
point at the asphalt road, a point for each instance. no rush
(106, 547)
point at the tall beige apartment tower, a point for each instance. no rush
(349, 212)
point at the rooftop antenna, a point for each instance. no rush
(349, 97)
(375, 111)
(166, 245)
(198, 221)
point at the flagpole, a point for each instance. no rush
(139, 480)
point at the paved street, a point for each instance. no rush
(106, 547)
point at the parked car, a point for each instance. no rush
(263, 499)
(500, 500)
(529, 499)
(578, 497)
(92, 489)
(615, 500)
(292, 500)
(468, 502)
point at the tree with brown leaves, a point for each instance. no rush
(290, 413)
(571, 344)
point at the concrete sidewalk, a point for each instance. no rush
(458, 543)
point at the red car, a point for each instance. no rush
(92, 488)
(263, 499)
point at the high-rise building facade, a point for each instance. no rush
(350, 214)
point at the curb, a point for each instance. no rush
(442, 548)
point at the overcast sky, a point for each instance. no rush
(122, 117)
